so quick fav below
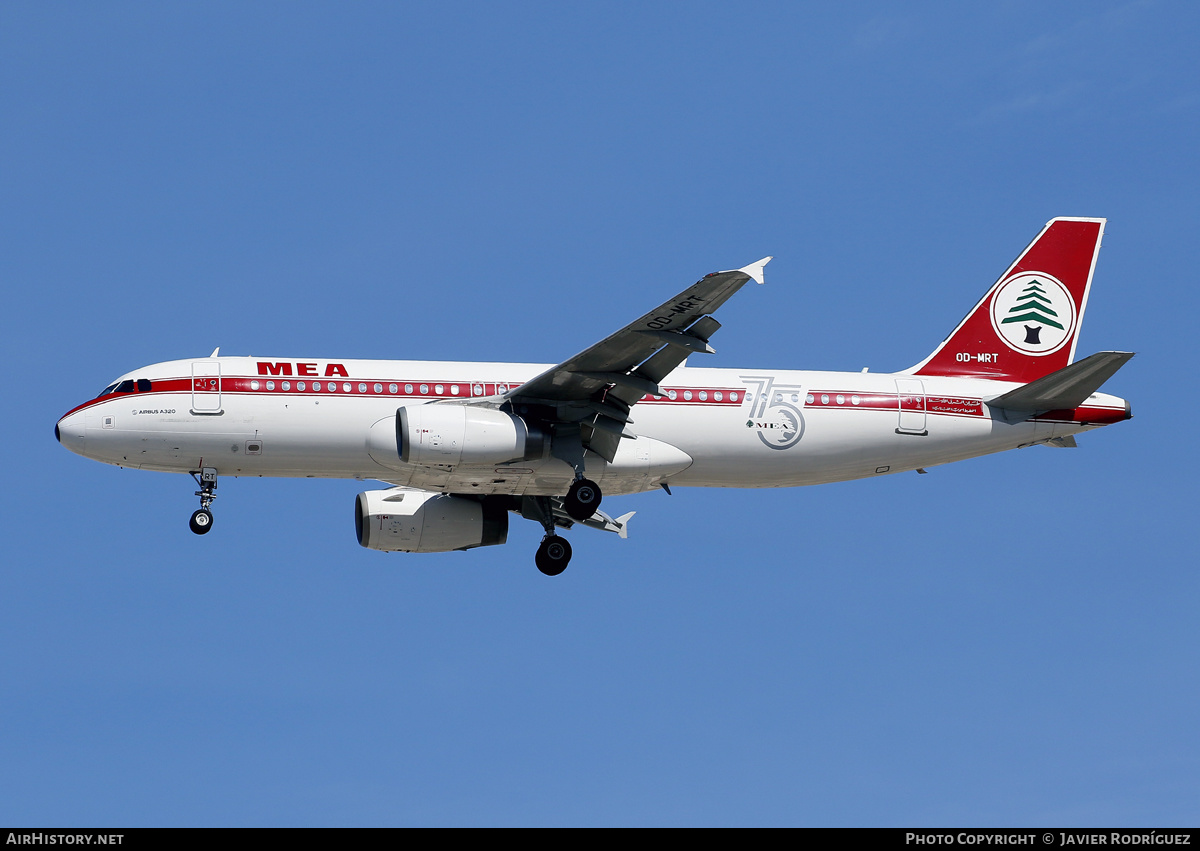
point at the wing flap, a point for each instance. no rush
(603, 443)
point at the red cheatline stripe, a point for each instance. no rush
(1089, 414)
(942, 405)
(428, 389)
(947, 405)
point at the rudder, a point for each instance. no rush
(1028, 323)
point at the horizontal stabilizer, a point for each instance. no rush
(604, 523)
(1065, 442)
(1065, 389)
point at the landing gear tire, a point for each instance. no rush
(582, 499)
(201, 521)
(553, 555)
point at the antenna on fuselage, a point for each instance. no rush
(216, 351)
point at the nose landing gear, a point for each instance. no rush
(202, 519)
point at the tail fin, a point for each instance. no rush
(1028, 323)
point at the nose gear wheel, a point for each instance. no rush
(201, 521)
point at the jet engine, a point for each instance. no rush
(416, 521)
(449, 435)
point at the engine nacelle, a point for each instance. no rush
(415, 521)
(449, 435)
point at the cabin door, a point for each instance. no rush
(206, 387)
(910, 393)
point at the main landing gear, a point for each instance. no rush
(554, 553)
(202, 520)
(582, 499)
(581, 502)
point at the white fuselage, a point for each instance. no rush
(711, 428)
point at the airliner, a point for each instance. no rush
(462, 446)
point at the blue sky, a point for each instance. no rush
(1007, 641)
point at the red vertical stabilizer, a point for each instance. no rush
(1027, 324)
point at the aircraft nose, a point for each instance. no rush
(71, 432)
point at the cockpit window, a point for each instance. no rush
(143, 385)
(125, 386)
(110, 388)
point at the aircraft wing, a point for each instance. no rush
(596, 388)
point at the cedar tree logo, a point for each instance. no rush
(1033, 313)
